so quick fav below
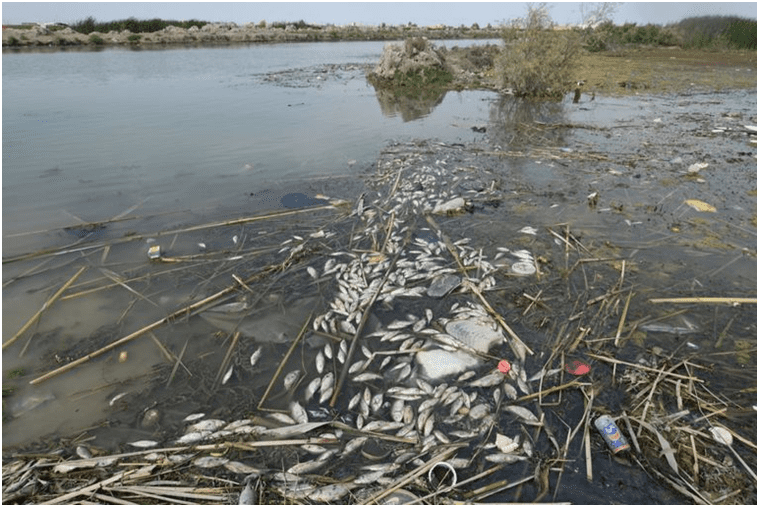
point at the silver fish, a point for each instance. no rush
(193, 417)
(320, 362)
(227, 375)
(143, 444)
(256, 356)
(209, 461)
(312, 388)
(328, 493)
(298, 412)
(291, 378)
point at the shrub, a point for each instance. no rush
(12, 41)
(538, 61)
(97, 40)
(134, 38)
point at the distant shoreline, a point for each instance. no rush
(224, 33)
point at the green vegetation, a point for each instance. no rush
(300, 25)
(97, 40)
(538, 62)
(89, 25)
(705, 32)
(610, 37)
(12, 41)
(134, 38)
(717, 32)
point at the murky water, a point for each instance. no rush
(180, 161)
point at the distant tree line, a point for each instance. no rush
(703, 32)
(89, 25)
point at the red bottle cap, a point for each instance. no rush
(577, 367)
(504, 366)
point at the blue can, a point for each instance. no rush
(613, 437)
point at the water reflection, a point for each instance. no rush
(517, 122)
(393, 103)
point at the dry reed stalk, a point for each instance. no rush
(281, 366)
(496, 487)
(551, 390)
(623, 317)
(188, 311)
(708, 300)
(447, 489)
(91, 488)
(631, 432)
(45, 306)
(173, 491)
(695, 459)
(227, 356)
(640, 366)
(420, 470)
(115, 278)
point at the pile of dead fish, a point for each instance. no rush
(425, 376)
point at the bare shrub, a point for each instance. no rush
(538, 61)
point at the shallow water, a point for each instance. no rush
(640, 217)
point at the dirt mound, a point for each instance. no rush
(414, 56)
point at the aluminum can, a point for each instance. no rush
(611, 434)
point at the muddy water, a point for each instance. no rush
(544, 161)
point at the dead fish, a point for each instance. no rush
(193, 417)
(291, 378)
(489, 380)
(358, 366)
(500, 457)
(510, 391)
(354, 401)
(117, 398)
(313, 448)
(479, 411)
(83, 452)
(256, 356)
(305, 467)
(311, 389)
(227, 375)
(522, 413)
(367, 376)
(209, 461)
(354, 444)
(207, 425)
(326, 395)
(396, 410)
(312, 272)
(247, 495)
(298, 412)
(328, 351)
(328, 382)
(143, 444)
(192, 437)
(320, 362)
(328, 493)
(283, 418)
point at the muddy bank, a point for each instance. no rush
(225, 33)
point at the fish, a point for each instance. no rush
(312, 388)
(210, 461)
(143, 444)
(291, 378)
(320, 362)
(193, 417)
(523, 414)
(298, 413)
(329, 493)
(367, 376)
(207, 425)
(256, 356)
(227, 375)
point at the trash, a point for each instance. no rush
(400, 497)
(700, 205)
(452, 206)
(504, 366)
(523, 268)
(154, 252)
(443, 285)
(577, 368)
(695, 168)
(477, 333)
(721, 435)
(442, 474)
(528, 230)
(611, 434)
(506, 444)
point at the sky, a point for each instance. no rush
(369, 13)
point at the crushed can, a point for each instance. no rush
(154, 252)
(611, 434)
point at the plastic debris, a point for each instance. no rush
(695, 168)
(700, 205)
(523, 268)
(577, 367)
(504, 366)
